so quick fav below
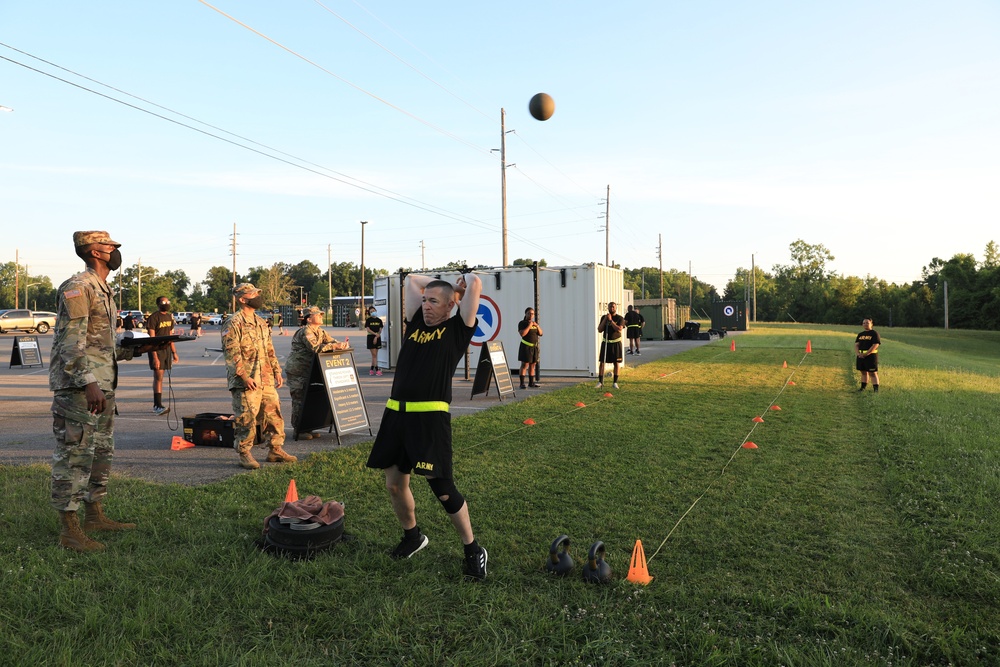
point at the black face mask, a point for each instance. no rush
(114, 259)
(164, 307)
(256, 302)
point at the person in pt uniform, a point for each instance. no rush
(866, 345)
(528, 352)
(83, 376)
(610, 327)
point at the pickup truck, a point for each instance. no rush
(26, 320)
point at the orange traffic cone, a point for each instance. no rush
(637, 572)
(732, 345)
(759, 420)
(784, 364)
(292, 494)
(775, 407)
(581, 404)
(749, 445)
(529, 422)
(809, 346)
(180, 443)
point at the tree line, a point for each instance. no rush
(804, 290)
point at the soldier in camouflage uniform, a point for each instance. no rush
(83, 375)
(306, 344)
(254, 378)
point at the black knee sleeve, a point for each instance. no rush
(446, 488)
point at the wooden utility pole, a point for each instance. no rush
(361, 309)
(233, 296)
(660, 253)
(503, 181)
(607, 228)
(17, 273)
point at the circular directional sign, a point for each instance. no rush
(728, 310)
(489, 321)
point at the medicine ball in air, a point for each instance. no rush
(542, 106)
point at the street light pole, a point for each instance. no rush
(361, 308)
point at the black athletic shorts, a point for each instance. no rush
(374, 343)
(867, 363)
(417, 442)
(527, 354)
(610, 351)
(166, 359)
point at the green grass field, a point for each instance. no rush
(862, 531)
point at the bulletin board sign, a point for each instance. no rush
(493, 367)
(26, 352)
(334, 396)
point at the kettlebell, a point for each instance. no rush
(596, 571)
(560, 562)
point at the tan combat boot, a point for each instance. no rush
(94, 519)
(247, 460)
(279, 455)
(73, 538)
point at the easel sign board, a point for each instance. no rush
(25, 352)
(493, 366)
(340, 378)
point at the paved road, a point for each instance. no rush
(142, 439)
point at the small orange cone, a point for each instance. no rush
(809, 346)
(784, 364)
(608, 394)
(180, 443)
(529, 422)
(581, 404)
(637, 572)
(759, 420)
(292, 494)
(732, 345)
(775, 407)
(790, 382)
(749, 445)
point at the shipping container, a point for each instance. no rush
(568, 301)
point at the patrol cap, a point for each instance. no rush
(245, 289)
(311, 310)
(83, 239)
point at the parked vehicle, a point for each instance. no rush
(26, 320)
(215, 318)
(182, 318)
(136, 317)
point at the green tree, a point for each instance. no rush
(218, 290)
(275, 285)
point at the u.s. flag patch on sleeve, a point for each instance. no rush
(71, 293)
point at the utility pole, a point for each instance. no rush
(139, 278)
(361, 322)
(329, 283)
(503, 181)
(233, 297)
(423, 260)
(753, 268)
(690, 286)
(659, 253)
(17, 272)
(607, 227)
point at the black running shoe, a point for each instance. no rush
(475, 565)
(407, 548)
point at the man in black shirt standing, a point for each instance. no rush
(866, 350)
(633, 323)
(610, 327)
(415, 433)
(161, 323)
(528, 352)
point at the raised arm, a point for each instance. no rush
(469, 287)
(415, 285)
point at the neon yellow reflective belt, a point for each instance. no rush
(634, 325)
(614, 340)
(417, 406)
(527, 343)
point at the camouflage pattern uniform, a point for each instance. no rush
(83, 351)
(246, 342)
(306, 344)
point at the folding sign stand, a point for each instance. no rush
(492, 365)
(26, 352)
(334, 397)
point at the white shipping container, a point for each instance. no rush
(571, 301)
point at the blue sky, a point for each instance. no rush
(728, 128)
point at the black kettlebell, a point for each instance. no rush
(596, 571)
(560, 562)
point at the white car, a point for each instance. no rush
(182, 318)
(215, 319)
